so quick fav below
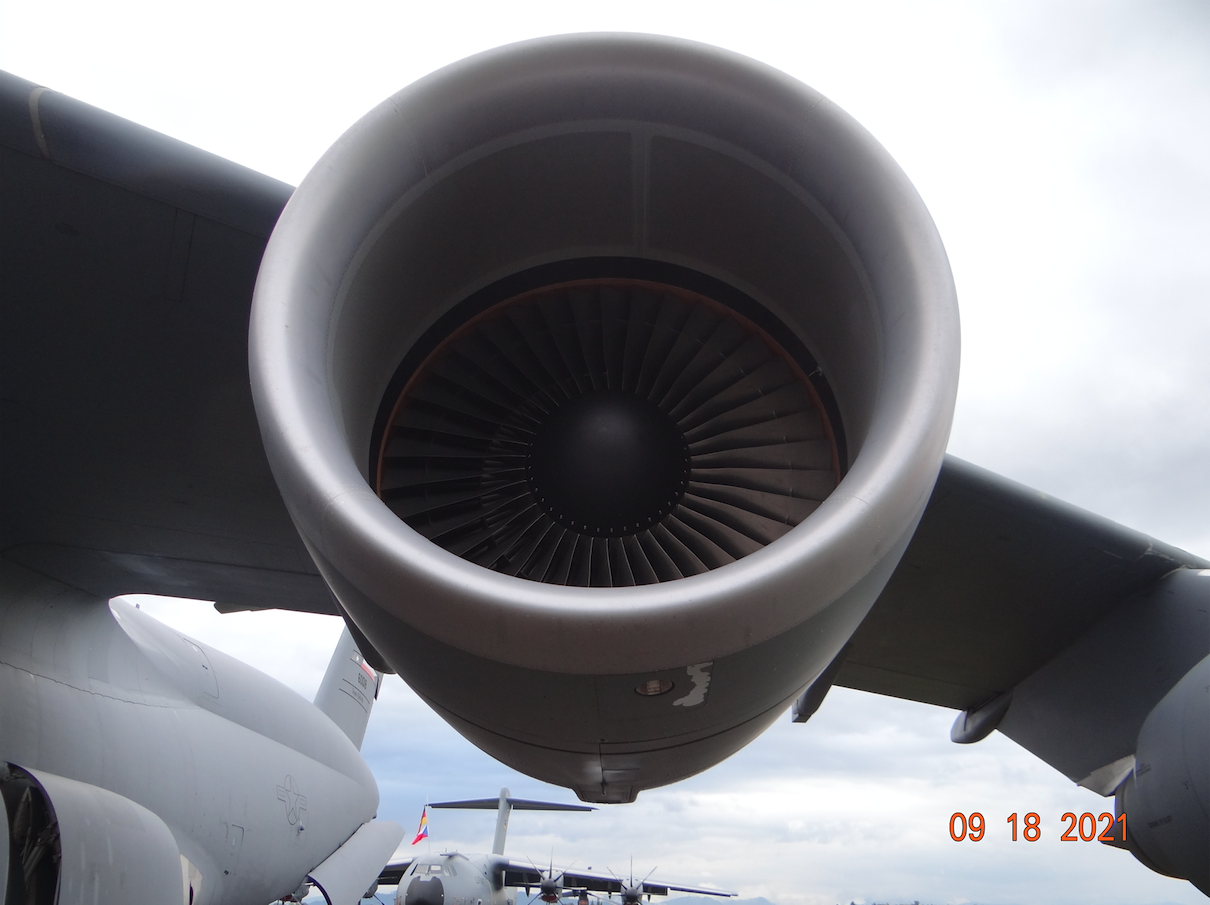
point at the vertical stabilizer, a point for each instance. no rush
(349, 689)
(504, 808)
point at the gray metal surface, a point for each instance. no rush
(103, 835)
(1085, 708)
(1167, 797)
(998, 580)
(131, 458)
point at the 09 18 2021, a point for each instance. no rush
(972, 827)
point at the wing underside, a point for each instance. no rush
(997, 581)
(132, 457)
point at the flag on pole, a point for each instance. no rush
(423, 831)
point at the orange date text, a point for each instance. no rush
(1083, 828)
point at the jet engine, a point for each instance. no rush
(1167, 798)
(606, 378)
(69, 841)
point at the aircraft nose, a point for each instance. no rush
(425, 892)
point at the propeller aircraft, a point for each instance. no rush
(452, 878)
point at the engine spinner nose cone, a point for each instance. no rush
(608, 464)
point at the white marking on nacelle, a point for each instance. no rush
(700, 675)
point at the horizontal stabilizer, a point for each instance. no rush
(518, 804)
(505, 805)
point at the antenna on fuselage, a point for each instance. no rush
(504, 806)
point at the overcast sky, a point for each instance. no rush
(1064, 151)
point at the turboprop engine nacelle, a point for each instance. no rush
(606, 379)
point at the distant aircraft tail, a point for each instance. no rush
(504, 805)
(349, 689)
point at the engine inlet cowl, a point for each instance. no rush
(601, 365)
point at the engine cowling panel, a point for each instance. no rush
(1167, 798)
(70, 841)
(605, 166)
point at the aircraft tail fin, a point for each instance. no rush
(349, 689)
(504, 806)
(503, 809)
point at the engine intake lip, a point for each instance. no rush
(320, 358)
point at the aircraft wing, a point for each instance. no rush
(132, 457)
(133, 460)
(518, 874)
(996, 582)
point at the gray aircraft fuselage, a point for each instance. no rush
(451, 878)
(256, 785)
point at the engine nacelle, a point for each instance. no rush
(1167, 798)
(606, 379)
(69, 841)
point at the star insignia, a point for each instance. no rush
(295, 803)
